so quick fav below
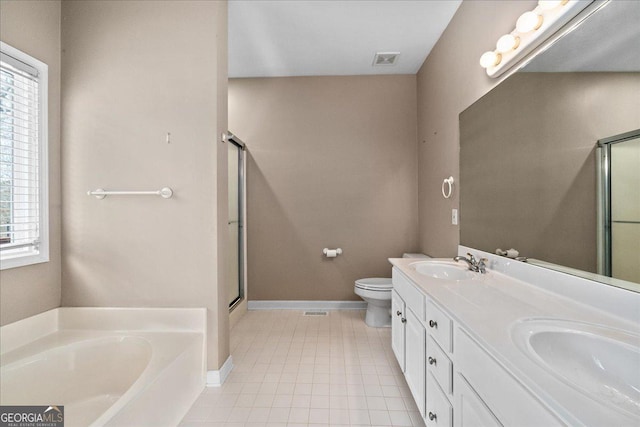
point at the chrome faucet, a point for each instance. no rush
(474, 264)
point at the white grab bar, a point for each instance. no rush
(165, 192)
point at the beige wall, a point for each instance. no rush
(134, 71)
(332, 163)
(528, 162)
(34, 28)
(449, 81)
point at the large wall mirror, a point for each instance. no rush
(532, 175)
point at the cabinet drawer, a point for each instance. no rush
(439, 326)
(413, 298)
(439, 412)
(440, 366)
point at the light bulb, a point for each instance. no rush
(507, 43)
(550, 4)
(490, 59)
(528, 21)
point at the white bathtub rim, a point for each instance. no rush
(164, 354)
(24, 331)
(142, 383)
(63, 346)
(178, 413)
(151, 324)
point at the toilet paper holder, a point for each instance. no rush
(332, 253)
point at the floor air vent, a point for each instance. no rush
(316, 313)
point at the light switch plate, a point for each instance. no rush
(454, 216)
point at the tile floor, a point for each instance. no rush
(294, 370)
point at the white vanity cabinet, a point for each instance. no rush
(409, 336)
(464, 388)
(510, 348)
(420, 331)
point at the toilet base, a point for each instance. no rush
(378, 315)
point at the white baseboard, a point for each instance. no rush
(307, 305)
(217, 378)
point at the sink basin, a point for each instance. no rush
(443, 270)
(601, 362)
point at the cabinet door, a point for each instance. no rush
(415, 352)
(471, 411)
(397, 328)
(439, 410)
(507, 398)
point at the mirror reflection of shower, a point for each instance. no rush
(236, 222)
(619, 206)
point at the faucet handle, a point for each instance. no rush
(482, 266)
(471, 257)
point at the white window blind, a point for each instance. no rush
(21, 160)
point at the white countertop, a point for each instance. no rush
(488, 306)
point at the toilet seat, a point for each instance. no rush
(375, 284)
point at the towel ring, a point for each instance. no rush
(447, 187)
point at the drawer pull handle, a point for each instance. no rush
(403, 320)
(432, 416)
(398, 313)
(433, 324)
(432, 361)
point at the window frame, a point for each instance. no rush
(9, 260)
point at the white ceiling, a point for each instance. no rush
(270, 38)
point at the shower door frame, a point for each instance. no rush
(604, 198)
(232, 139)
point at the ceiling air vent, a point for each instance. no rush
(385, 58)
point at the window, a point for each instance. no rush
(24, 218)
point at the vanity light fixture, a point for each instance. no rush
(490, 59)
(551, 4)
(507, 43)
(532, 28)
(529, 21)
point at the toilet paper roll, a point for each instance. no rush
(331, 253)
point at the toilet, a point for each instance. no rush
(376, 292)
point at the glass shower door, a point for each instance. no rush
(236, 221)
(621, 206)
(625, 210)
